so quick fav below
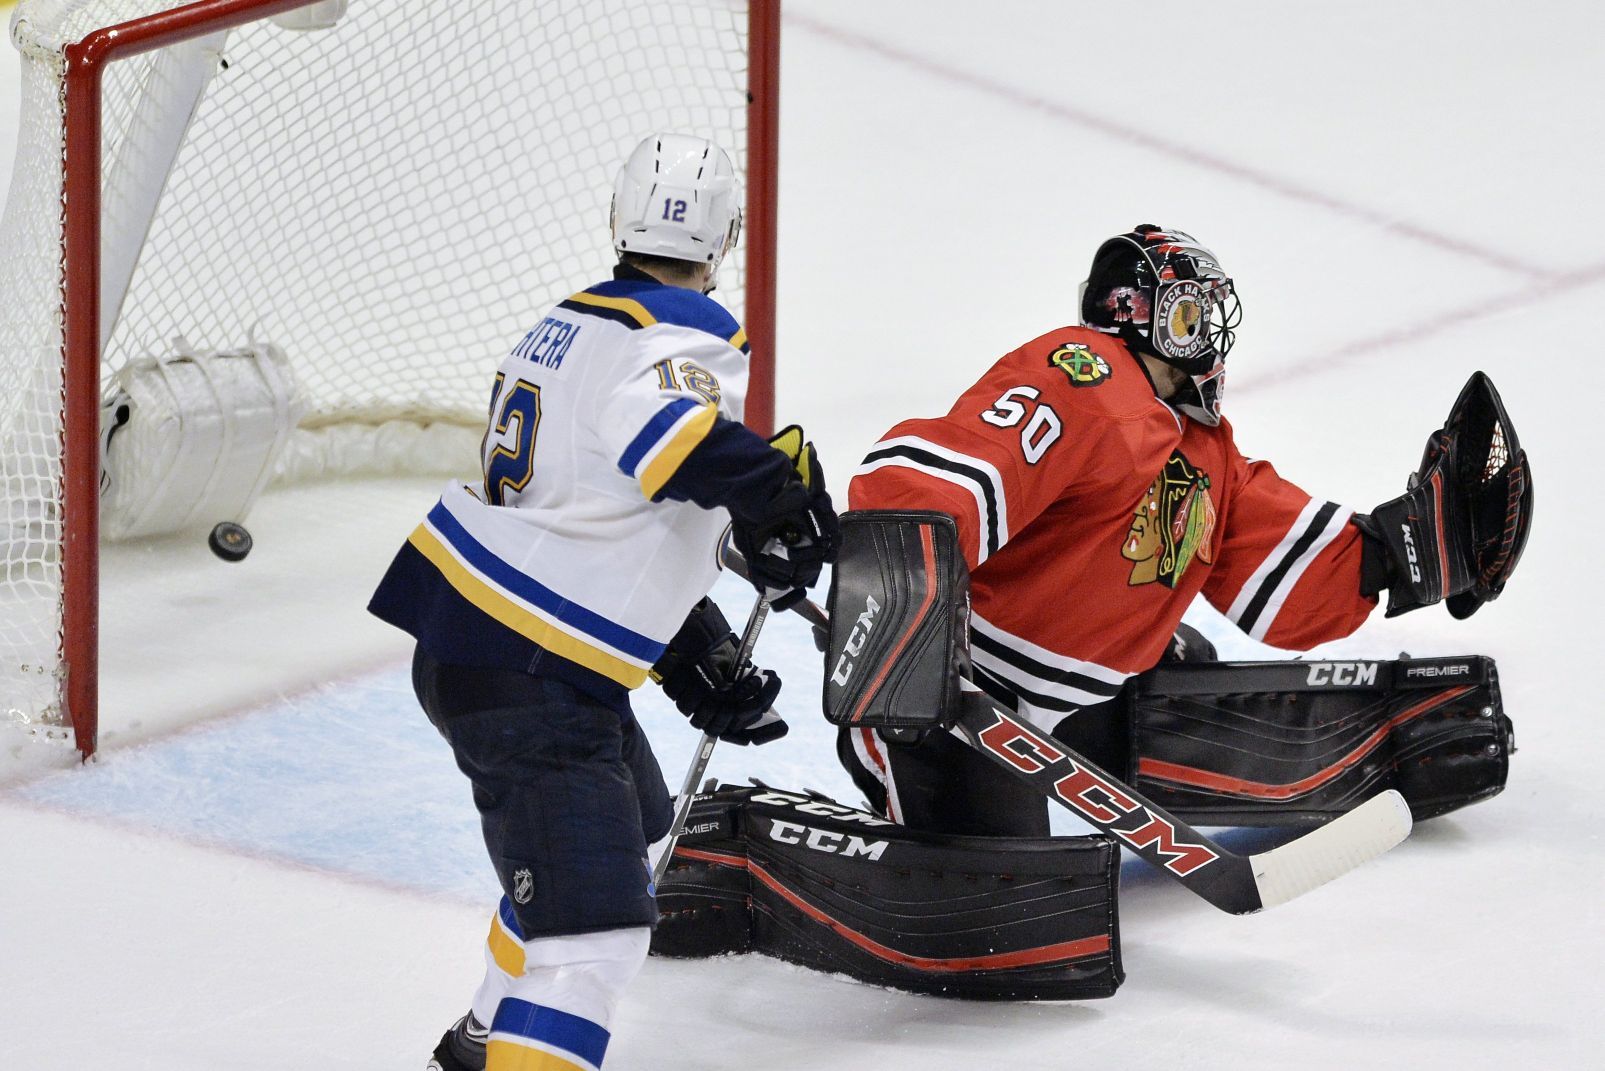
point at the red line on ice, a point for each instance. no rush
(1348, 353)
(1166, 147)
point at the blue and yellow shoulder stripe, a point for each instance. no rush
(655, 454)
(637, 305)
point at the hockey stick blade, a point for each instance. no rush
(1322, 854)
(1239, 884)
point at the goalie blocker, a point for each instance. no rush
(900, 619)
(808, 880)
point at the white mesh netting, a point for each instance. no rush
(389, 201)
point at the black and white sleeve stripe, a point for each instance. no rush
(1256, 606)
(1050, 681)
(974, 475)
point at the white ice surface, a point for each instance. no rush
(1404, 192)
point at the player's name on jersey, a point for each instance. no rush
(548, 343)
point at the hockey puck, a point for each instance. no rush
(230, 541)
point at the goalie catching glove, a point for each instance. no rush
(1457, 533)
(788, 540)
(699, 672)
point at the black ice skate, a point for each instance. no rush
(462, 1048)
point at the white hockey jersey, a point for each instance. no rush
(567, 544)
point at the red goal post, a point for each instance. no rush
(602, 73)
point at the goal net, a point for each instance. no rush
(384, 193)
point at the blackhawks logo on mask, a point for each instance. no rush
(1085, 368)
(1173, 524)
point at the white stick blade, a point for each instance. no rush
(1336, 848)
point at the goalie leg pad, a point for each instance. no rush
(842, 891)
(1289, 743)
(703, 899)
(940, 784)
(193, 438)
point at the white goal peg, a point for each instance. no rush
(319, 16)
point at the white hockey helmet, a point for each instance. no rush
(676, 197)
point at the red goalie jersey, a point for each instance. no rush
(1091, 513)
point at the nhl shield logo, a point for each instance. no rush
(523, 885)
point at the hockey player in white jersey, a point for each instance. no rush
(613, 461)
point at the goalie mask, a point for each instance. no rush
(676, 197)
(1165, 295)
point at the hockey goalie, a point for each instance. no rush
(1005, 630)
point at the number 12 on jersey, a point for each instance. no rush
(508, 450)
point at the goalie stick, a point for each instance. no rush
(1239, 884)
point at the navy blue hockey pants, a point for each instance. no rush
(568, 791)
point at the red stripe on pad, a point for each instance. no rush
(1196, 778)
(1062, 952)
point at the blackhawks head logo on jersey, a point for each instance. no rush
(1174, 523)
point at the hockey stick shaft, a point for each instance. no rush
(809, 610)
(704, 752)
(1238, 884)
(749, 635)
